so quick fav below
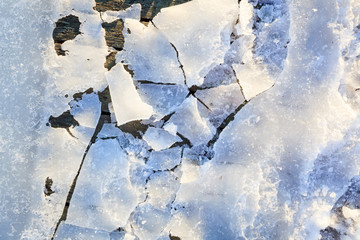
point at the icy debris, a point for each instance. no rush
(73, 232)
(222, 101)
(191, 171)
(279, 160)
(159, 139)
(148, 222)
(149, 54)
(195, 128)
(132, 12)
(109, 131)
(163, 98)
(125, 97)
(207, 37)
(262, 36)
(171, 128)
(87, 110)
(271, 43)
(199, 154)
(258, 53)
(103, 198)
(161, 189)
(219, 75)
(164, 160)
(245, 17)
(254, 79)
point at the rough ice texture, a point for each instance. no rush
(215, 120)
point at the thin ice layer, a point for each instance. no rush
(87, 110)
(195, 128)
(221, 101)
(159, 138)
(254, 79)
(164, 160)
(124, 96)
(103, 198)
(200, 30)
(163, 98)
(149, 54)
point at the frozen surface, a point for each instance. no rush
(150, 55)
(197, 129)
(22, 87)
(216, 120)
(127, 103)
(200, 47)
(160, 139)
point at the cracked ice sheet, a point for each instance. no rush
(222, 101)
(149, 54)
(273, 142)
(160, 139)
(59, 154)
(103, 198)
(207, 37)
(125, 97)
(197, 129)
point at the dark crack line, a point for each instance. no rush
(185, 141)
(180, 64)
(231, 118)
(203, 87)
(225, 123)
(238, 82)
(68, 130)
(192, 91)
(166, 118)
(101, 17)
(100, 124)
(200, 101)
(177, 55)
(156, 83)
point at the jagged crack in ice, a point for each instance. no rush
(200, 47)
(127, 103)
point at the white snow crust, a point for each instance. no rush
(219, 120)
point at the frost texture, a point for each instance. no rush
(206, 120)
